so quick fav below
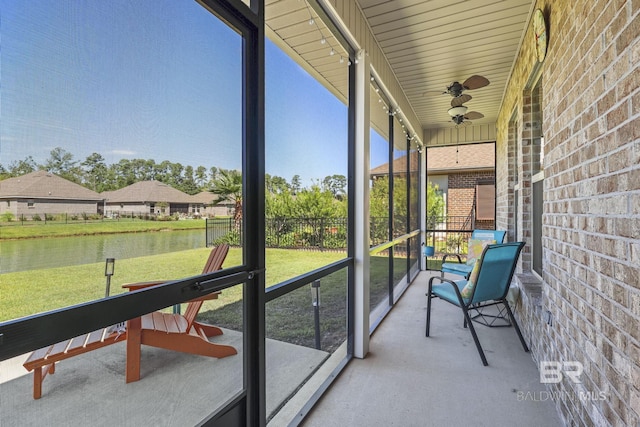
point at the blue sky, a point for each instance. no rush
(154, 80)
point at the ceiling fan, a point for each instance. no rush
(455, 89)
(459, 115)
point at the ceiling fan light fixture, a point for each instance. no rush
(457, 111)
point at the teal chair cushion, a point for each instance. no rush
(467, 291)
(447, 293)
(475, 248)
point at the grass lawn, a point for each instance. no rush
(28, 292)
(289, 318)
(36, 229)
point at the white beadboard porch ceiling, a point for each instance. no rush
(428, 43)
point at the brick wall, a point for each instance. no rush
(461, 192)
(586, 305)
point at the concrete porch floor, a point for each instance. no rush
(408, 379)
(176, 389)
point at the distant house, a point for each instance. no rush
(148, 197)
(399, 167)
(203, 205)
(41, 192)
(465, 176)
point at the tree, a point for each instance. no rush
(435, 204)
(317, 203)
(124, 173)
(276, 184)
(201, 177)
(336, 184)
(280, 205)
(435, 207)
(143, 170)
(188, 184)
(22, 167)
(60, 162)
(379, 198)
(95, 172)
(176, 179)
(296, 185)
(228, 187)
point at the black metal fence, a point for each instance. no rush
(288, 233)
(447, 234)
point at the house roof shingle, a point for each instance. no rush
(45, 185)
(446, 159)
(464, 156)
(399, 165)
(147, 191)
(204, 197)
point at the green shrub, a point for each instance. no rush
(231, 238)
(7, 217)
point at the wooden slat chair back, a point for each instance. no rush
(214, 263)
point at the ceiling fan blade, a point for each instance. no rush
(473, 115)
(475, 82)
(459, 100)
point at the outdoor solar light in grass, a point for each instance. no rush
(109, 269)
(315, 301)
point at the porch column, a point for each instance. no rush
(422, 191)
(361, 234)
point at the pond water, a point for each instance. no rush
(32, 254)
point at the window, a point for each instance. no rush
(122, 113)
(537, 170)
(485, 201)
(306, 210)
(393, 204)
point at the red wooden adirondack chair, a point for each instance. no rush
(174, 331)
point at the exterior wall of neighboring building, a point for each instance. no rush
(193, 209)
(9, 206)
(129, 208)
(461, 194)
(585, 306)
(216, 211)
(28, 208)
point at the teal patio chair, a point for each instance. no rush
(487, 285)
(474, 251)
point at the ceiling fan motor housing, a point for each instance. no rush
(455, 89)
(458, 119)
